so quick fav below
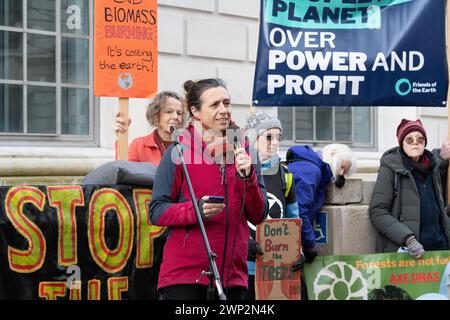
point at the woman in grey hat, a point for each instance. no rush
(264, 132)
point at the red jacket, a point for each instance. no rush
(184, 256)
(143, 149)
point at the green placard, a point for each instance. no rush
(388, 276)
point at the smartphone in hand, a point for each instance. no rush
(215, 199)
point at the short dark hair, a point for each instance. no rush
(155, 106)
(194, 89)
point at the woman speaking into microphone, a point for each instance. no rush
(204, 151)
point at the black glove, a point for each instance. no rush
(340, 181)
(299, 264)
(253, 250)
(310, 255)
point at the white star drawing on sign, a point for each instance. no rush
(272, 200)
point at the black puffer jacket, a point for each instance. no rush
(394, 224)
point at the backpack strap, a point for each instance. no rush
(288, 177)
(282, 173)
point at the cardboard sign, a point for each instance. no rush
(280, 239)
(125, 48)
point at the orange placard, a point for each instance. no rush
(125, 48)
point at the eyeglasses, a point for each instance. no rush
(419, 140)
(270, 137)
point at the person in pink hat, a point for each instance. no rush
(407, 205)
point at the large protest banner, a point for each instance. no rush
(387, 276)
(78, 242)
(351, 53)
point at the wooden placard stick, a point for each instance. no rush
(123, 136)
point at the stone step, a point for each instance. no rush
(349, 231)
(41, 180)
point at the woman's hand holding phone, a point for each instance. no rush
(211, 206)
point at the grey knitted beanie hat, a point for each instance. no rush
(261, 121)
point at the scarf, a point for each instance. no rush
(422, 167)
(270, 164)
(160, 143)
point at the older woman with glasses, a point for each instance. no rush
(407, 206)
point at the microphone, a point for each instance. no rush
(176, 135)
(237, 142)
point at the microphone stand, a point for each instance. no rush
(213, 272)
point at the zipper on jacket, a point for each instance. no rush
(224, 182)
(224, 175)
(186, 235)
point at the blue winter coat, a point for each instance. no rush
(311, 177)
